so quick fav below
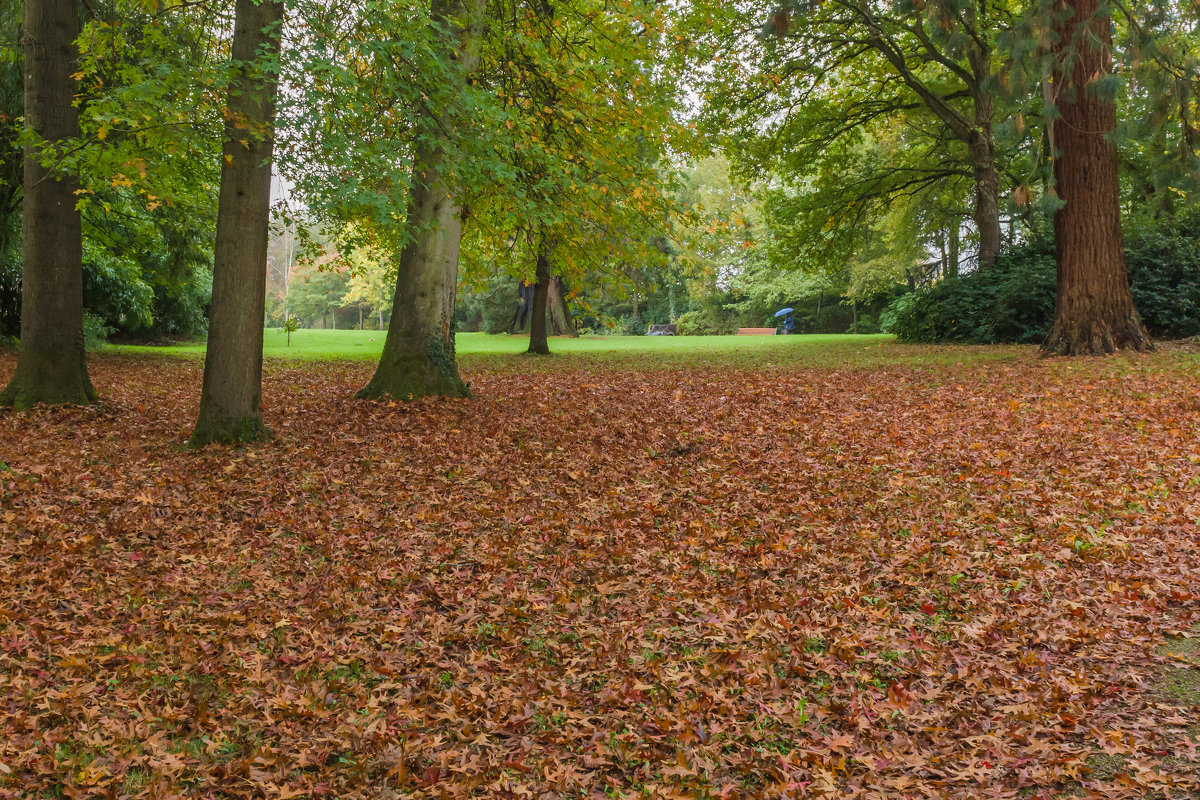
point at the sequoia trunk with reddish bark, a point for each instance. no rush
(1094, 310)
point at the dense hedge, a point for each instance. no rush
(1014, 301)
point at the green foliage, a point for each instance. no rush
(95, 331)
(1164, 271)
(1014, 301)
(290, 326)
(704, 322)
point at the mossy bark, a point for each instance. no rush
(51, 363)
(418, 354)
(538, 344)
(981, 147)
(560, 321)
(231, 397)
(1094, 312)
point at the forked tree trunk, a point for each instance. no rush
(418, 355)
(1094, 310)
(560, 313)
(51, 365)
(538, 345)
(231, 398)
(520, 320)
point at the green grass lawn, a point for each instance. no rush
(327, 344)
(636, 352)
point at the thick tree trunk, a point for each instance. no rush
(1094, 310)
(560, 314)
(541, 291)
(231, 398)
(418, 355)
(51, 365)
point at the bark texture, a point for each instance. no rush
(51, 364)
(538, 344)
(559, 322)
(231, 397)
(952, 253)
(521, 316)
(1094, 310)
(418, 355)
(981, 145)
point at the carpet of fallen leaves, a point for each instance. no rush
(903, 581)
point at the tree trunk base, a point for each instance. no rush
(215, 428)
(430, 372)
(51, 378)
(539, 349)
(1096, 337)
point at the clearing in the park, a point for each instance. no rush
(647, 567)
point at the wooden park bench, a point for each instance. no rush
(756, 332)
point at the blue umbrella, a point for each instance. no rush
(783, 311)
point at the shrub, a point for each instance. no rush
(95, 331)
(1014, 301)
(1164, 276)
(702, 322)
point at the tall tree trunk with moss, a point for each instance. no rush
(51, 365)
(231, 397)
(538, 344)
(1094, 310)
(418, 355)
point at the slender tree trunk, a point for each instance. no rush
(51, 365)
(854, 311)
(560, 314)
(1094, 310)
(982, 150)
(952, 252)
(541, 290)
(943, 266)
(231, 398)
(418, 356)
